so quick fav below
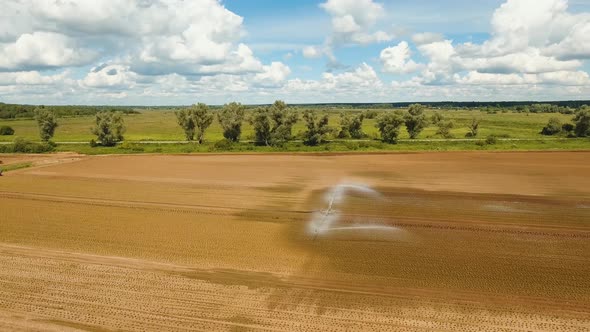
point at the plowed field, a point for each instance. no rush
(398, 242)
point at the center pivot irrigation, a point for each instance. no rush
(326, 220)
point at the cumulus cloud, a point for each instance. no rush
(110, 76)
(274, 74)
(531, 36)
(155, 37)
(40, 50)
(532, 42)
(528, 61)
(576, 45)
(174, 51)
(361, 83)
(32, 78)
(397, 59)
(442, 61)
(353, 20)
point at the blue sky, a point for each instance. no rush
(157, 52)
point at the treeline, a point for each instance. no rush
(508, 105)
(14, 111)
(273, 124)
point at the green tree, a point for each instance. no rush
(6, 131)
(444, 128)
(282, 120)
(568, 129)
(195, 121)
(582, 122)
(273, 125)
(186, 121)
(436, 118)
(553, 127)
(473, 128)
(230, 118)
(109, 128)
(345, 121)
(415, 120)
(371, 114)
(46, 122)
(389, 125)
(317, 129)
(351, 126)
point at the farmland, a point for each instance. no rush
(447, 241)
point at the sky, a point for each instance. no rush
(175, 52)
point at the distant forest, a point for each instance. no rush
(15, 111)
(453, 104)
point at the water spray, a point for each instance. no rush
(322, 222)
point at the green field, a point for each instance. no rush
(161, 126)
(515, 131)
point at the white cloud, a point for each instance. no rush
(353, 20)
(576, 45)
(110, 76)
(155, 37)
(532, 42)
(427, 38)
(274, 74)
(361, 83)
(174, 51)
(572, 78)
(477, 78)
(312, 52)
(32, 78)
(42, 50)
(535, 35)
(527, 61)
(442, 63)
(397, 59)
(518, 24)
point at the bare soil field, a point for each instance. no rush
(399, 242)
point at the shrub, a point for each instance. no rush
(371, 114)
(553, 127)
(352, 146)
(490, 140)
(21, 145)
(131, 146)
(444, 128)
(223, 145)
(6, 131)
(473, 128)
(568, 129)
(436, 118)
